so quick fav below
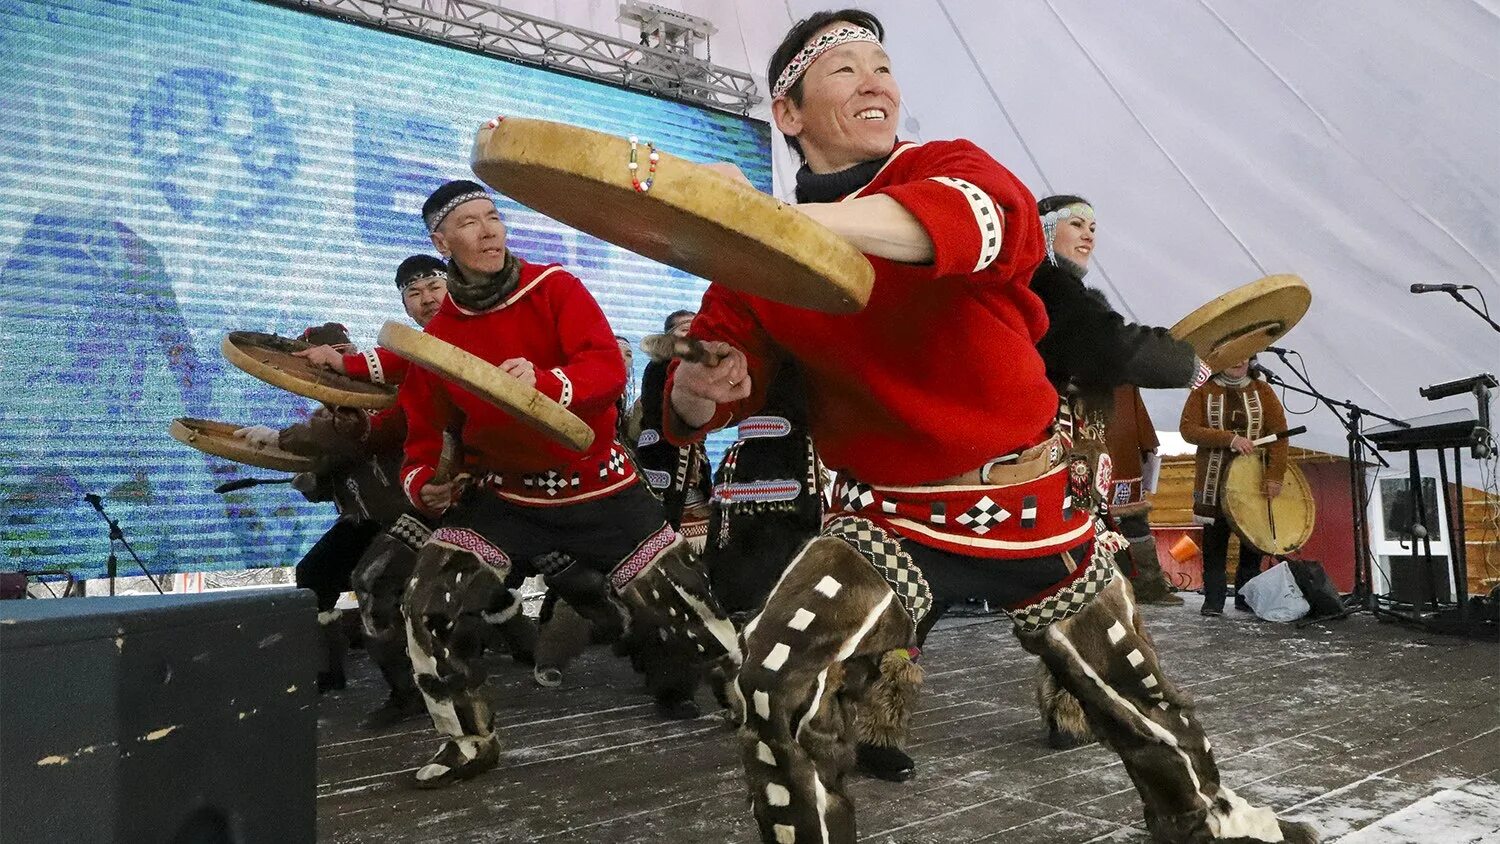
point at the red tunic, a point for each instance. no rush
(940, 372)
(553, 321)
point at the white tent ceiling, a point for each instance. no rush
(1353, 142)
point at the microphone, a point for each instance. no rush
(246, 483)
(1435, 288)
(1277, 350)
(95, 500)
(1260, 371)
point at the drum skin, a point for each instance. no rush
(1245, 320)
(488, 382)
(691, 218)
(218, 439)
(271, 358)
(1245, 506)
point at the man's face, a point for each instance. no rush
(423, 297)
(627, 353)
(682, 325)
(1238, 370)
(850, 103)
(473, 235)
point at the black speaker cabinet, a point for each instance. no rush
(174, 719)
(1413, 583)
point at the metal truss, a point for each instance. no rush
(486, 27)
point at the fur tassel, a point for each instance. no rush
(1059, 709)
(884, 716)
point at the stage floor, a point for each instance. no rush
(1375, 732)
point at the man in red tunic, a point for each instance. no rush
(933, 406)
(583, 520)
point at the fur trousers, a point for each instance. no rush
(454, 596)
(812, 656)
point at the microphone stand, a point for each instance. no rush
(1363, 596)
(117, 535)
(1470, 305)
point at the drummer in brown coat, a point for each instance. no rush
(1222, 417)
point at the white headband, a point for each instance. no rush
(809, 54)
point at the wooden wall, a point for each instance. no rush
(1332, 542)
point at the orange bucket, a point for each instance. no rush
(1184, 549)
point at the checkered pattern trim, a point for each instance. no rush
(984, 515)
(551, 482)
(409, 531)
(885, 553)
(986, 216)
(1071, 599)
(855, 496)
(377, 372)
(464, 539)
(564, 398)
(615, 465)
(644, 555)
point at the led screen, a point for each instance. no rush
(174, 170)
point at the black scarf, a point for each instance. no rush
(485, 293)
(827, 187)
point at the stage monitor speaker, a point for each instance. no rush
(174, 719)
(1412, 584)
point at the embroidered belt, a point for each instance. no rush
(570, 485)
(756, 427)
(1033, 518)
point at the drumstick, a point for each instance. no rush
(1270, 438)
(1265, 461)
(667, 346)
(448, 460)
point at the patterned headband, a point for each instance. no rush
(1053, 218)
(423, 276)
(809, 54)
(436, 218)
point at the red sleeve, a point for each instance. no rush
(977, 213)
(378, 366)
(592, 376)
(725, 316)
(427, 409)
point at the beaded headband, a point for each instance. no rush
(423, 276)
(436, 218)
(809, 54)
(1052, 219)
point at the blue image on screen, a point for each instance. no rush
(173, 170)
